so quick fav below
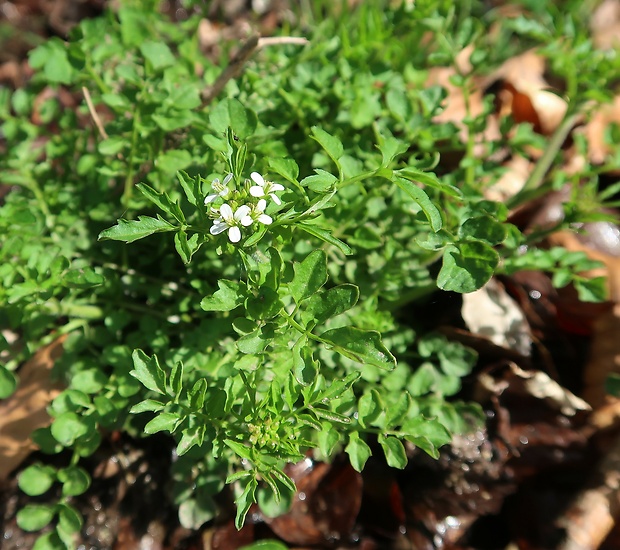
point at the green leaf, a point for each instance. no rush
(332, 145)
(148, 371)
(69, 520)
(68, 427)
(483, 228)
(231, 113)
(310, 276)
(592, 290)
(197, 394)
(89, 381)
(163, 201)
(158, 54)
(164, 421)
(424, 202)
(240, 449)
(191, 188)
(230, 295)
(285, 167)
(326, 236)
(363, 346)
(359, 452)
(185, 247)
(305, 368)
(49, 541)
(265, 545)
(320, 182)
(394, 450)
(391, 148)
(112, 146)
(369, 408)
(148, 405)
(338, 387)
(175, 382)
(52, 56)
(325, 305)
(132, 230)
(8, 382)
(36, 479)
(193, 513)
(74, 479)
(468, 267)
(244, 501)
(327, 440)
(85, 277)
(33, 517)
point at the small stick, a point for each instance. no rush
(279, 40)
(93, 113)
(232, 70)
(236, 64)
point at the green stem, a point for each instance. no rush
(532, 187)
(128, 190)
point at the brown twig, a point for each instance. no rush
(234, 68)
(93, 113)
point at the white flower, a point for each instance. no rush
(230, 221)
(221, 189)
(264, 188)
(258, 213)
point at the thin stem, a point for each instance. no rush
(128, 190)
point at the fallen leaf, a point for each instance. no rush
(26, 410)
(492, 313)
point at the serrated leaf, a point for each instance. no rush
(363, 346)
(191, 188)
(132, 230)
(244, 501)
(175, 382)
(148, 371)
(285, 167)
(240, 449)
(163, 201)
(331, 144)
(165, 421)
(320, 182)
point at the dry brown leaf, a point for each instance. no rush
(456, 108)
(518, 169)
(594, 131)
(26, 409)
(605, 25)
(492, 313)
(526, 94)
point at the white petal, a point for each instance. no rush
(257, 191)
(247, 220)
(242, 212)
(277, 187)
(234, 234)
(228, 178)
(264, 218)
(217, 228)
(210, 198)
(226, 212)
(258, 178)
(276, 199)
(262, 204)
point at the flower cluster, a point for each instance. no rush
(239, 207)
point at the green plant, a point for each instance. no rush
(266, 323)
